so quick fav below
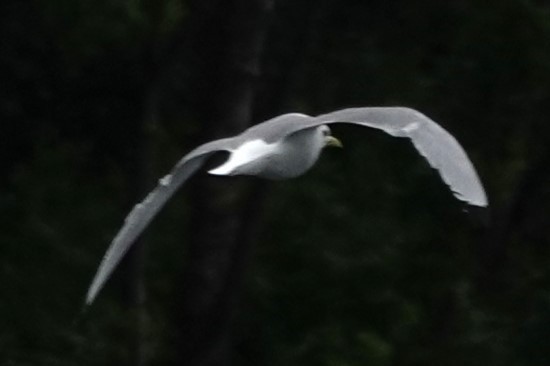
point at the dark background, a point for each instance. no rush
(365, 260)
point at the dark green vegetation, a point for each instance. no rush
(366, 260)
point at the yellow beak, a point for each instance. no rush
(331, 141)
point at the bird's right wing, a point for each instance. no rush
(142, 213)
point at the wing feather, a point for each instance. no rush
(143, 213)
(439, 147)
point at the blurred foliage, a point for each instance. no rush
(365, 260)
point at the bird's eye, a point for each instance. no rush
(326, 131)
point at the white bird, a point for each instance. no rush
(287, 146)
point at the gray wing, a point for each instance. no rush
(142, 213)
(279, 127)
(440, 148)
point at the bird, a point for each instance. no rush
(287, 146)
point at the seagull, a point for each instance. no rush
(286, 147)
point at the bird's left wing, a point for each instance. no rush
(142, 213)
(438, 146)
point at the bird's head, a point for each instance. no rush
(330, 141)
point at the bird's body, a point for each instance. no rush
(289, 145)
(281, 159)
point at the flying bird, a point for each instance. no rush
(289, 145)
